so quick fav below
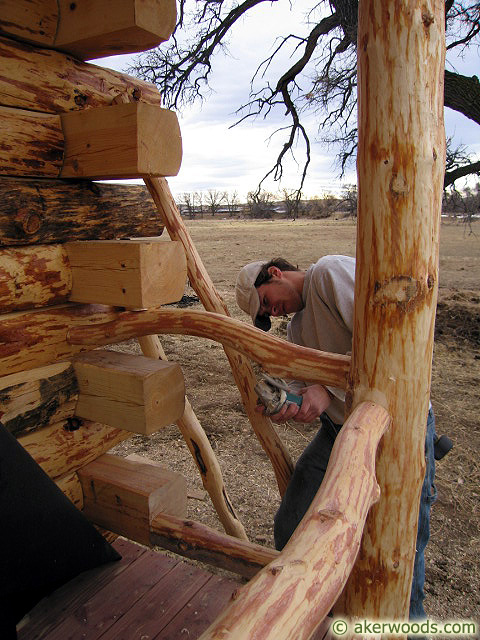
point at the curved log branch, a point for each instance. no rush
(277, 356)
(202, 453)
(241, 368)
(313, 568)
(200, 542)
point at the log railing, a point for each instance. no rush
(275, 355)
(291, 596)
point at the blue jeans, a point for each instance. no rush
(307, 478)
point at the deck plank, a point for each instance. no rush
(139, 596)
(46, 614)
(96, 615)
(147, 594)
(201, 611)
(160, 604)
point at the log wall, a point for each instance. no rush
(49, 100)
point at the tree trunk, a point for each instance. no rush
(462, 94)
(401, 160)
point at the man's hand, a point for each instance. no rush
(315, 400)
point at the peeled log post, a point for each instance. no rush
(293, 594)
(202, 452)
(401, 153)
(274, 354)
(211, 300)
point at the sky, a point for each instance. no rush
(225, 158)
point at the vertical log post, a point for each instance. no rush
(400, 164)
(211, 300)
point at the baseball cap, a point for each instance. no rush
(247, 295)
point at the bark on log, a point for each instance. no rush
(60, 451)
(90, 29)
(275, 355)
(199, 542)
(30, 400)
(202, 452)
(48, 211)
(211, 300)
(34, 277)
(290, 597)
(462, 93)
(32, 143)
(37, 338)
(401, 161)
(53, 82)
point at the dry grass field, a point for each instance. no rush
(453, 572)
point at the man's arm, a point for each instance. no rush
(315, 399)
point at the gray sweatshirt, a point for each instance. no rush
(326, 321)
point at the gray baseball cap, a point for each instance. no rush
(247, 295)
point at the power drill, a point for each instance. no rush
(273, 393)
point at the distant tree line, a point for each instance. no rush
(464, 204)
(263, 204)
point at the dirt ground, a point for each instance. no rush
(452, 567)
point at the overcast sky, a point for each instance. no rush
(216, 156)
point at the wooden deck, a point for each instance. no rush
(145, 596)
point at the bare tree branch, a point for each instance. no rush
(324, 61)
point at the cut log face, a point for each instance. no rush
(132, 274)
(121, 141)
(128, 391)
(124, 496)
(90, 28)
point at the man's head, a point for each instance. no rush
(269, 288)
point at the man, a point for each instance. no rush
(321, 299)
